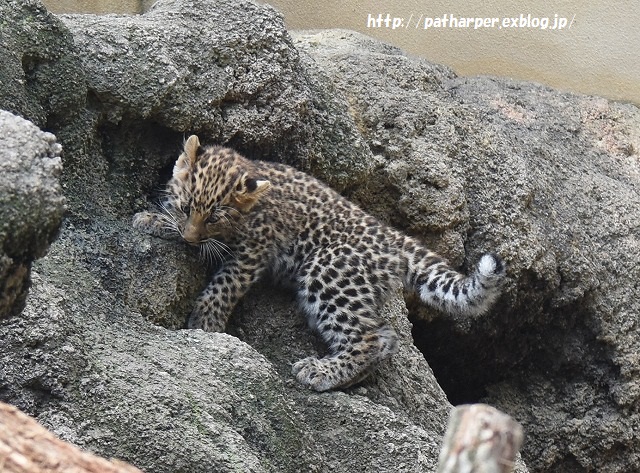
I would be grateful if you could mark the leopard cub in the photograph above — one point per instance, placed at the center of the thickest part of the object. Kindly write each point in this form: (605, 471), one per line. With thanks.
(257, 216)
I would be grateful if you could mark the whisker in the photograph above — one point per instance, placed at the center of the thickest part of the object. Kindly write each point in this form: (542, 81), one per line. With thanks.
(221, 248)
(205, 253)
(170, 217)
(215, 254)
(228, 217)
(213, 251)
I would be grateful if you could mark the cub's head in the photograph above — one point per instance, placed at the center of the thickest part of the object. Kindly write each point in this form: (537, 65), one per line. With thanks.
(212, 188)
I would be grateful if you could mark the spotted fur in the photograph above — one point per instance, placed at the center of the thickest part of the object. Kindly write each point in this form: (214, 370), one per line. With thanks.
(255, 217)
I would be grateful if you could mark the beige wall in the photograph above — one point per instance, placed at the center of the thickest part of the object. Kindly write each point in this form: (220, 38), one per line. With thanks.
(599, 54)
(98, 6)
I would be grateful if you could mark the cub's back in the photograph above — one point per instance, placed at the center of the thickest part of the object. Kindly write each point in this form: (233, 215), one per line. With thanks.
(303, 195)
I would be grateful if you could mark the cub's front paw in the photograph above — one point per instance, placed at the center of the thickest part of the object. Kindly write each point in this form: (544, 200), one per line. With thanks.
(156, 224)
(143, 220)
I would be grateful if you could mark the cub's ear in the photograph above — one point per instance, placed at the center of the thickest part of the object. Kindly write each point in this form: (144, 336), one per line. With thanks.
(187, 159)
(248, 191)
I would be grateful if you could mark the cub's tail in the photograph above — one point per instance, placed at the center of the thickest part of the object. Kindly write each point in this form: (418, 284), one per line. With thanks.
(442, 287)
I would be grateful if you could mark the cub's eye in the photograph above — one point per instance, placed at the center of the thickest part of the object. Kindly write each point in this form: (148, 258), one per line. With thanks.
(213, 218)
(186, 209)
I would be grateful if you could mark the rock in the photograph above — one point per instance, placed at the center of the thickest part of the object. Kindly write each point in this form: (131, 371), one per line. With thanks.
(27, 447)
(549, 180)
(41, 79)
(85, 357)
(415, 184)
(100, 376)
(227, 71)
(480, 438)
(31, 207)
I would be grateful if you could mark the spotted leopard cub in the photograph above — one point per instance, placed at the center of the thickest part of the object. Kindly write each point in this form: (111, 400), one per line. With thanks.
(256, 217)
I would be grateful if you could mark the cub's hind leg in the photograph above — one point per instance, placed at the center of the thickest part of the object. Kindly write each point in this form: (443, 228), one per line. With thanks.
(351, 358)
(343, 313)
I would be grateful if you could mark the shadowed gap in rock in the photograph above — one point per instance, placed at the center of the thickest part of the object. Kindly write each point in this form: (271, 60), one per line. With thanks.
(562, 345)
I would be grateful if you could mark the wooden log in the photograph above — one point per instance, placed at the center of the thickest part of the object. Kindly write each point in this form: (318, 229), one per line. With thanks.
(480, 439)
(27, 447)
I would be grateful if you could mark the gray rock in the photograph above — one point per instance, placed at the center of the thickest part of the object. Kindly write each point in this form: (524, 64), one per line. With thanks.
(40, 78)
(227, 71)
(547, 179)
(86, 357)
(99, 375)
(551, 181)
(31, 204)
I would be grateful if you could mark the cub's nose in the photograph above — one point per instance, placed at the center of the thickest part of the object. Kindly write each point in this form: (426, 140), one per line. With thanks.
(192, 234)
